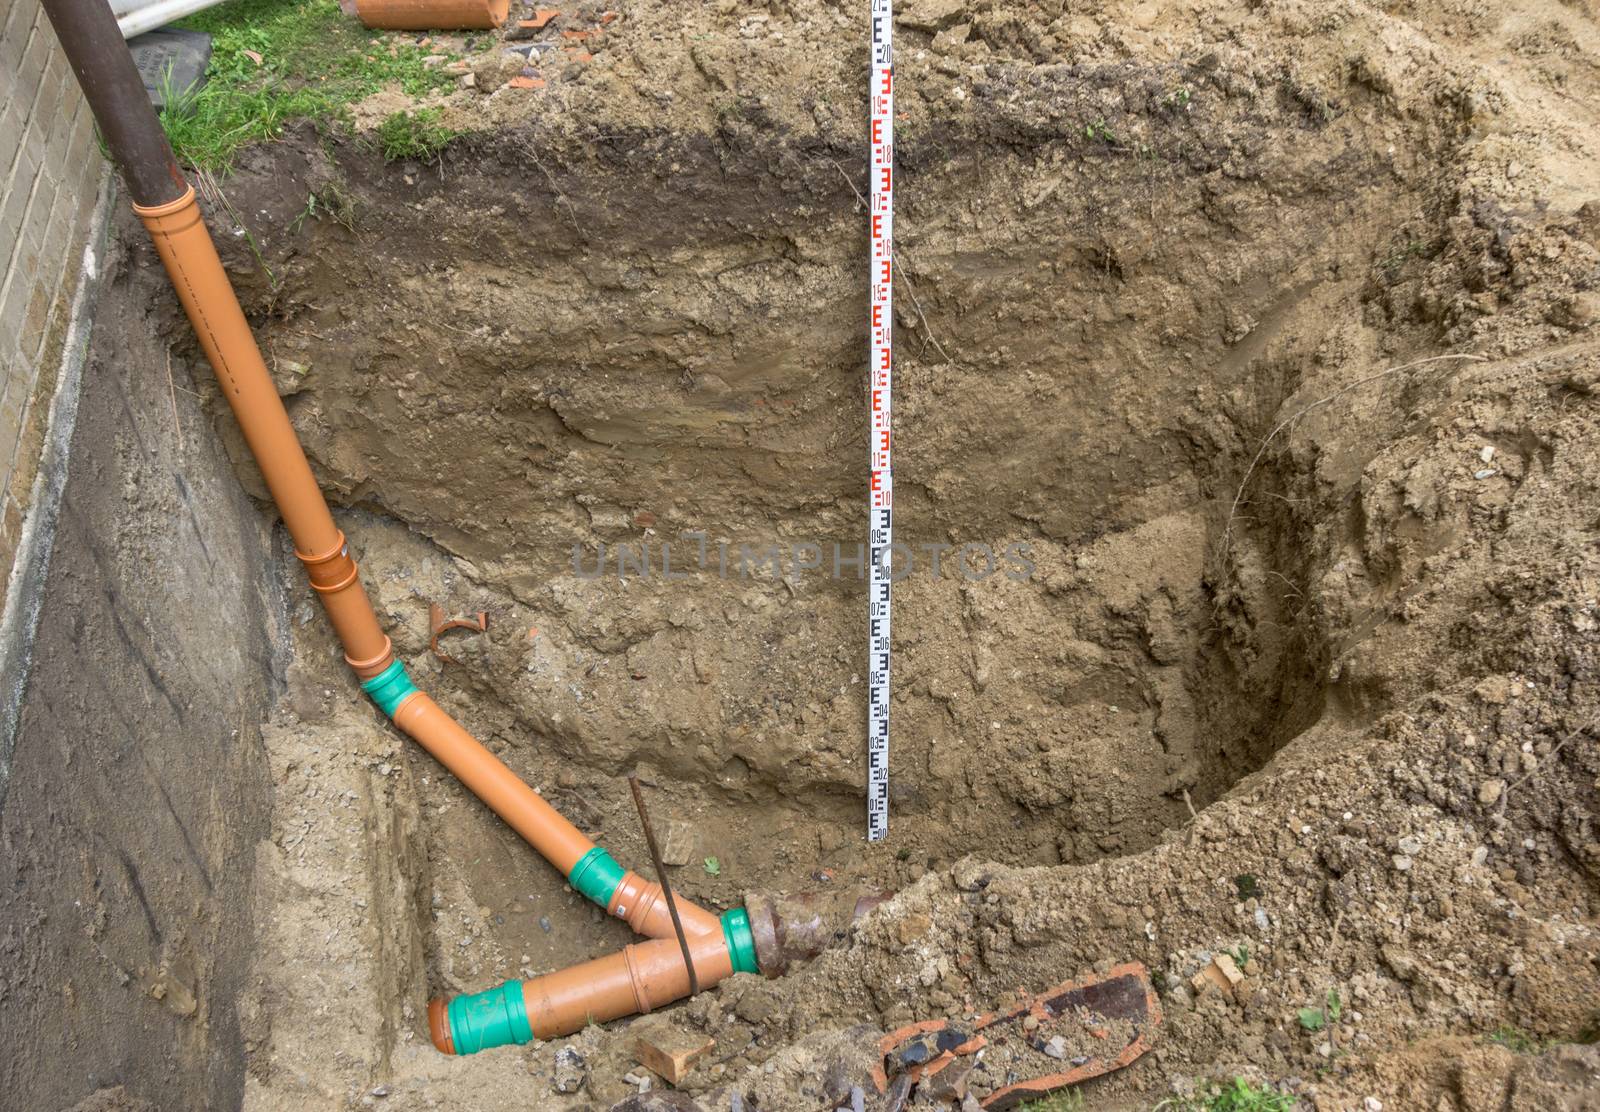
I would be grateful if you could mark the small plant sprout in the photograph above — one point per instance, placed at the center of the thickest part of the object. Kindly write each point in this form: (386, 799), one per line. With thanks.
(1516, 1040)
(1099, 132)
(713, 867)
(1315, 1019)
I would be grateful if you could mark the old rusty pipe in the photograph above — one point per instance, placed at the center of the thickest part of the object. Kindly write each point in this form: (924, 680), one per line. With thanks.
(792, 927)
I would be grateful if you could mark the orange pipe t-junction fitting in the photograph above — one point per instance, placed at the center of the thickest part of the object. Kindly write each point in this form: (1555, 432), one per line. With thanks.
(630, 982)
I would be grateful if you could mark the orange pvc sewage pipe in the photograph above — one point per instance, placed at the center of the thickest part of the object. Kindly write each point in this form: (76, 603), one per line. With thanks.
(165, 202)
(633, 981)
(640, 977)
(432, 15)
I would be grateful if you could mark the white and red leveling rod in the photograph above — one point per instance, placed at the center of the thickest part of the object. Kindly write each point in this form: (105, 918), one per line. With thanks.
(881, 527)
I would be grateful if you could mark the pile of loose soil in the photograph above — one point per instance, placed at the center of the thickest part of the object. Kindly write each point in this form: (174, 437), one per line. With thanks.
(1264, 330)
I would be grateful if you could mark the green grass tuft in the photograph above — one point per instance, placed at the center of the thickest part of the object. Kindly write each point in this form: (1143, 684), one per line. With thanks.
(1237, 1095)
(315, 63)
(1067, 1100)
(414, 133)
(1517, 1040)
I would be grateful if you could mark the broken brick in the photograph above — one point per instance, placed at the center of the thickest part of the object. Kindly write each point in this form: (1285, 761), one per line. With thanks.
(670, 1051)
(1228, 968)
(527, 83)
(1208, 979)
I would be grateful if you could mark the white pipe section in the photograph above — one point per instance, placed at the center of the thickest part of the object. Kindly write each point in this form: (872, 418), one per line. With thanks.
(135, 17)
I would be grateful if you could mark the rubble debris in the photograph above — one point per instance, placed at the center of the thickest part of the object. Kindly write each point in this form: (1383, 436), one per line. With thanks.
(1094, 1025)
(659, 1100)
(679, 845)
(570, 1071)
(1229, 969)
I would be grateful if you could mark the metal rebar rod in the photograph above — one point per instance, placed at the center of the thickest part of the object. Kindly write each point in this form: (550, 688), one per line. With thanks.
(666, 888)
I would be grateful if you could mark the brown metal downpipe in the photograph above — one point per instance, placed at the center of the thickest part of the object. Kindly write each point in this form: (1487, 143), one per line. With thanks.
(89, 34)
(166, 203)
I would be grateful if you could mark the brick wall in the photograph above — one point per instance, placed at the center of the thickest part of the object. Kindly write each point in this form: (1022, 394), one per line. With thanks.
(50, 171)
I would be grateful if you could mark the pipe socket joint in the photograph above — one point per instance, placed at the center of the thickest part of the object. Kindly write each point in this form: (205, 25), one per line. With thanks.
(336, 579)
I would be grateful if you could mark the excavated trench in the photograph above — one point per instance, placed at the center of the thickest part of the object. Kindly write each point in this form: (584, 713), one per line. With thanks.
(534, 373)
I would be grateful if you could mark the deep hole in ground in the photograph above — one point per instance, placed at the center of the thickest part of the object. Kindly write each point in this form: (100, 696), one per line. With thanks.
(506, 357)
(1331, 250)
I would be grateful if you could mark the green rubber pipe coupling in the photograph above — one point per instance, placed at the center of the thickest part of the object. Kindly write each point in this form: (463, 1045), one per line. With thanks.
(741, 942)
(596, 875)
(390, 687)
(488, 1019)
